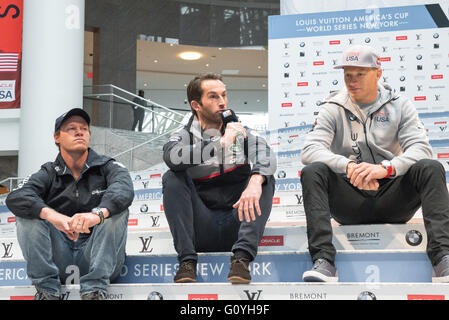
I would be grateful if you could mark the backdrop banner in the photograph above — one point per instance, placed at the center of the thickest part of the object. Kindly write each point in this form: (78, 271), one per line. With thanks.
(11, 19)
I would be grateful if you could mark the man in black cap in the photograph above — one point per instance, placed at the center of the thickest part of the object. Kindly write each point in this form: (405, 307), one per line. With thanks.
(72, 215)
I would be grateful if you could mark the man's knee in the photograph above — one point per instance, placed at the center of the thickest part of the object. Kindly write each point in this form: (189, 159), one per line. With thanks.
(31, 228)
(429, 165)
(313, 169)
(171, 180)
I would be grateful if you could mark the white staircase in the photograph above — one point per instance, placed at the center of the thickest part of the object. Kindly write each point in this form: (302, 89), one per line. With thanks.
(385, 261)
(373, 261)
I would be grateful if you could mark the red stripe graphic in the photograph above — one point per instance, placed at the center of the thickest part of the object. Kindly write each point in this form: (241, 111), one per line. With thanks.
(218, 173)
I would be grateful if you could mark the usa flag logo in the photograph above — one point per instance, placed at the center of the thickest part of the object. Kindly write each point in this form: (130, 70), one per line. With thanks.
(9, 62)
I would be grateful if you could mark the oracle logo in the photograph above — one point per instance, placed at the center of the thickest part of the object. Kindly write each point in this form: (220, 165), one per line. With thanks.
(318, 63)
(401, 38)
(133, 222)
(334, 42)
(271, 241)
(383, 59)
(437, 76)
(287, 105)
(420, 98)
(302, 84)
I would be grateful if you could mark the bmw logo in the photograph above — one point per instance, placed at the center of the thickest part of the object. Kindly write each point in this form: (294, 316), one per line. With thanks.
(302, 44)
(436, 35)
(413, 238)
(366, 295)
(367, 40)
(154, 295)
(282, 174)
(419, 57)
(144, 208)
(402, 78)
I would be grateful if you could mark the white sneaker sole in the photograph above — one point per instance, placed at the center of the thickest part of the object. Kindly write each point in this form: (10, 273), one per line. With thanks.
(440, 279)
(314, 276)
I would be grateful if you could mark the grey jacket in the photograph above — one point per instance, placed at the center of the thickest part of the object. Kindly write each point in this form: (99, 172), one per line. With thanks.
(391, 131)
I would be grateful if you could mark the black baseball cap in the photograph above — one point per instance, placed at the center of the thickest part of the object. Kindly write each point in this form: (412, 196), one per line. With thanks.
(74, 112)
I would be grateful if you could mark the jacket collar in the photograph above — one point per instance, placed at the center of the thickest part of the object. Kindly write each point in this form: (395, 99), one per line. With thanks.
(343, 99)
(93, 159)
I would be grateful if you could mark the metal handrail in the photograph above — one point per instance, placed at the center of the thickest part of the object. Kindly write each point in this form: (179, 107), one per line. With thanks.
(134, 95)
(164, 121)
(140, 106)
(144, 143)
(8, 182)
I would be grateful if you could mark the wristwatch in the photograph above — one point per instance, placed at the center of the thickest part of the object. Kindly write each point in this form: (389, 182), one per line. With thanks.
(386, 164)
(99, 213)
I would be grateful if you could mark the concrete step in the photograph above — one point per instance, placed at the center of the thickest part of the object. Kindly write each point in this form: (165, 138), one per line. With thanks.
(150, 235)
(259, 291)
(410, 236)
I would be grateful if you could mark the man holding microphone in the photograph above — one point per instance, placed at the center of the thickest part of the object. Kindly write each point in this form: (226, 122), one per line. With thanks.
(219, 189)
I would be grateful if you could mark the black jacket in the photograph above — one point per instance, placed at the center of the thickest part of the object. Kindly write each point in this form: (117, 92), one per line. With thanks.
(218, 175)
(103, 183)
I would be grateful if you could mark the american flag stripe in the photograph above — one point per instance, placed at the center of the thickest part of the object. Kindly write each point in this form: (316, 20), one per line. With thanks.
(9, 62)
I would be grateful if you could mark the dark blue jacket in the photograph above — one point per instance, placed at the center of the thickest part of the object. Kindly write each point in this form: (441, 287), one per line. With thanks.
(103, 183)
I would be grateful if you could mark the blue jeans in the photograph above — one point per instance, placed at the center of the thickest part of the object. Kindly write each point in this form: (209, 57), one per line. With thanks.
(52, 258)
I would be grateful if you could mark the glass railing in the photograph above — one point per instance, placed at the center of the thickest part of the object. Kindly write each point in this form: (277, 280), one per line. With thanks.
(110, 108)
(116, 108)
(8, 184)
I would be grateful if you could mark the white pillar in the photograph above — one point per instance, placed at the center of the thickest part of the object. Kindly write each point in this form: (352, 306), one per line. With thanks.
(52, 75)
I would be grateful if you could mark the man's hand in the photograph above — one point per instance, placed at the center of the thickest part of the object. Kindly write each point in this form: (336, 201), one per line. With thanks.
(81, 222)
(72, 226)
(231, 132)
(59, 221)
(250, 199)
(365, 175)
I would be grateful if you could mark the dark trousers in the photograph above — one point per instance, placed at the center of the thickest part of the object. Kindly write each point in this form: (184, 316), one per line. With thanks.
(139, 114)
(196, 228)
(327, 194)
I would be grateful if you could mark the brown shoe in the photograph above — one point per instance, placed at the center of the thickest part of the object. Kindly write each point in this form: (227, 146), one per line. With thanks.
(239, 271)
(186, 272)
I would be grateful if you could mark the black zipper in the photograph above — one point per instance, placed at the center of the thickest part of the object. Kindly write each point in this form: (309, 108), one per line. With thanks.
(366, 139)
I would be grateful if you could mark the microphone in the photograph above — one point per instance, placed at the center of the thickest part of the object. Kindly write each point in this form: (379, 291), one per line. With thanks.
(228, 116)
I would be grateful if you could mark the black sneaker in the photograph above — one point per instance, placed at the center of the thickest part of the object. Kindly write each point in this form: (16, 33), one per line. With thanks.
(186, 272)
(441, 271)
(322, 271)
(42, 295)
(239, 271)
(94, 295)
